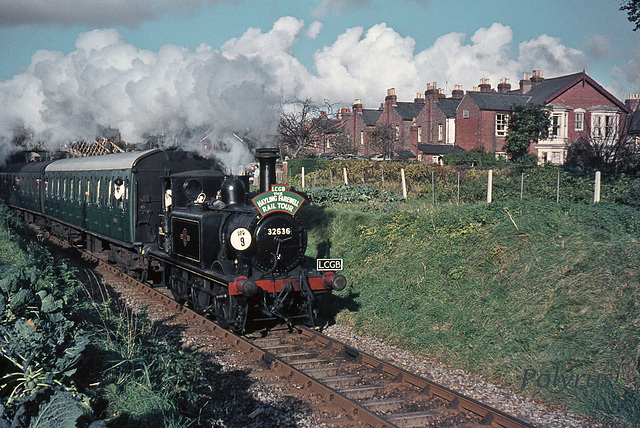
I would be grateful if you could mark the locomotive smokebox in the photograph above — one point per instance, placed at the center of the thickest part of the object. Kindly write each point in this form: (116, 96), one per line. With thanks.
(267, 157)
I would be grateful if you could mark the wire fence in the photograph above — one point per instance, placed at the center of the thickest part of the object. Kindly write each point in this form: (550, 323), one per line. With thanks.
(448, 184)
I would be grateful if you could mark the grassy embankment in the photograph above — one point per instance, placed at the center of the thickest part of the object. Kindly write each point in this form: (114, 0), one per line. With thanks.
(539, 291)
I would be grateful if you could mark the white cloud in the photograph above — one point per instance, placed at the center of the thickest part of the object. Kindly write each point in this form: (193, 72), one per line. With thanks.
(240, 88)
(626, 80)
(314, 29)
(548, 54)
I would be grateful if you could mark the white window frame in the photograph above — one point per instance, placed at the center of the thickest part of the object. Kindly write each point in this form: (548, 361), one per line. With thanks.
(579, 121)
(502, 123)
(605, 125)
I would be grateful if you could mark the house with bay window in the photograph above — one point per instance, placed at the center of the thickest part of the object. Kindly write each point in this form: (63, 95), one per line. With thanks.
(579, 109)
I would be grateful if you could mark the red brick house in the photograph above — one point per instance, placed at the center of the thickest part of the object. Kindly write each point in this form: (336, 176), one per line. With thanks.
(358, 124)
(579, 107)
(407, 119)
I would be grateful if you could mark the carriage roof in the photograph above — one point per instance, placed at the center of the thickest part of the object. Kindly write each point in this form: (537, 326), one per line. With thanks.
(114, 161)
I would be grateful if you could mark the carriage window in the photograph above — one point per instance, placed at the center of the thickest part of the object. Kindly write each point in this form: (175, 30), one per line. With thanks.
(119, 192)
(110, 193)
(79, 190)
(87, 192)
(98, 191)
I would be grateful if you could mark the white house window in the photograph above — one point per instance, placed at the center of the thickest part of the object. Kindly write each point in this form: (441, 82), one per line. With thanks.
(556, 125)
(579, 121)
(559, 121)
(604, 125)
(502, 121)
(362, 138)
(597, 126)
(608, 126)
(419, 134)
(440, 131)
(465, 114)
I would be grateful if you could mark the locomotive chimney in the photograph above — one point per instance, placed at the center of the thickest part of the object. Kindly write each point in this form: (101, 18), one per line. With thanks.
(267, 157)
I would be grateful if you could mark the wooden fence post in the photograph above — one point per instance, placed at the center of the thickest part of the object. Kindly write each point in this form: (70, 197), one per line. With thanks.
(596, 190)
(404, 184)
(489, 185)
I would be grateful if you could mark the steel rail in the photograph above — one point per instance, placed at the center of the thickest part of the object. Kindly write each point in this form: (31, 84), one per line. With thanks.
(489, 415)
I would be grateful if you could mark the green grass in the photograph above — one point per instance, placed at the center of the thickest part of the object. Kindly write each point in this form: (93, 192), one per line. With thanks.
(498, 289)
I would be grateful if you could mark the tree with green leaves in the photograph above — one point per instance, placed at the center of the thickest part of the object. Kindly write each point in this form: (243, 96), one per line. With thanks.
(382, 139)
(528, 123)
(632, 7)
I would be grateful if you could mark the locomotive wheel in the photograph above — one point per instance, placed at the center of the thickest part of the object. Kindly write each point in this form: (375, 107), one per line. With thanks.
(201, 295)
(178, 285)
(221, 311)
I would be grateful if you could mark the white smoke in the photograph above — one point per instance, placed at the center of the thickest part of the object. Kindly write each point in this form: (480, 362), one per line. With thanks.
(175, 92)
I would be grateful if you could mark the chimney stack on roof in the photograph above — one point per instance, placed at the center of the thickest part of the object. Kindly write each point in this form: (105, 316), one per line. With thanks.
(484, 85)
(391, 97)
(504, 86)
(525, 83)
(537, 78)
(419, 99)
(357, 105)
(344, 113)
(457, 92)
(633, 102)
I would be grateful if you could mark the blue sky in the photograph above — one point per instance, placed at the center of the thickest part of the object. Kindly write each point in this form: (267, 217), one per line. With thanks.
(61, 59)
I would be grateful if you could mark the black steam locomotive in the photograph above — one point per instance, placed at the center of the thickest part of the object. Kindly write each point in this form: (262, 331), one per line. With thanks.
(178, 219)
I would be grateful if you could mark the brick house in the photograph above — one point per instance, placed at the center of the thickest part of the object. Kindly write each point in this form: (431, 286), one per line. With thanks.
(358, 124)
(579, 108)
(407, 119)
(440, 115)
(478, 119)
(633, 127)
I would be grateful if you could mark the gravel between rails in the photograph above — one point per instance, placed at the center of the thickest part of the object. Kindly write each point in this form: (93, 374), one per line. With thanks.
(460, 381)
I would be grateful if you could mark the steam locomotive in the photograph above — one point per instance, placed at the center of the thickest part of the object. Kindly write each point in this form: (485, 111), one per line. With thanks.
(176, 219)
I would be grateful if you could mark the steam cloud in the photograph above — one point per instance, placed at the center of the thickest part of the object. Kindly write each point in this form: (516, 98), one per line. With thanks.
(240, 88)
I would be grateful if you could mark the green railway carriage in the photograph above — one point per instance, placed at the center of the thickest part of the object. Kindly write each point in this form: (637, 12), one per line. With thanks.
(117, 196)
(29, 187)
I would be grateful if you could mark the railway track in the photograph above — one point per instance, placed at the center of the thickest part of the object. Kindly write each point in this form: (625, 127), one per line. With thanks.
(348, 387)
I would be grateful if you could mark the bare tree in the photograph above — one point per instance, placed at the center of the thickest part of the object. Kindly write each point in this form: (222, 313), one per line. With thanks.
(304, 125)
(382, 139)
(341, 143)
(606, 146)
